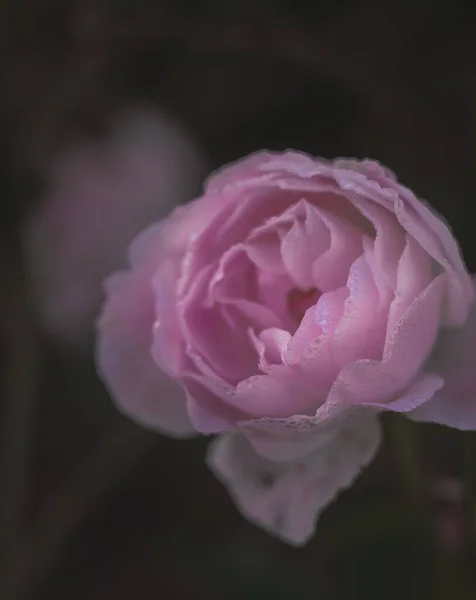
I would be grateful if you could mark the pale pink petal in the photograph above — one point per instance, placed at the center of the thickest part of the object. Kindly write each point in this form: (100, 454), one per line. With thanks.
(273, 292)
(207, 332)
(236, 172)
(270, 345)
(156, 254)
(442, 235)
(417, 218)
(307, 333)
(459, 291)
(237, 218)
(305, 241)
(168, 345)
(281, 445)
(297, 163)
(331, 268)
(389, 240)
(234, 276)
(310, 346)
(454, 358)
(265, 252)
(329, 309)
(360, 332)
(420, 391)
(208, 413)
(283, 392)
(125, 363)
(234, 283)
(413, 276)
(286, 498)
(298, 387)
(371, 382)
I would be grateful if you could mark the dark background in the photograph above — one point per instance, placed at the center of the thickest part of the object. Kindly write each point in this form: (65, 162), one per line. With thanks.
(114, 512)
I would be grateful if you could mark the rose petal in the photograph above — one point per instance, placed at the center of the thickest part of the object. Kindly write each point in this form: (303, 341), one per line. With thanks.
(360, 332)
(302, 245)
(414, 274)
(418, 219)
(125, 363)
(208, 413)
(270, 345)
(454, 358)
(421, 390)
(389, 240)
(370, 382)
(168, 346)
(241, 212)
(308, 332)
(331, 268)
(286, 498)
(236, 171)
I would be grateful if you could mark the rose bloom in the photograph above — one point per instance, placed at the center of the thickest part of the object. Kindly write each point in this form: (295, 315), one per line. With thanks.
(98, 197)
(285, 309)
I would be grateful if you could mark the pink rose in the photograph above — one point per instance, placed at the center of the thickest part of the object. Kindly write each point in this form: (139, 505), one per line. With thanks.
(292, 302)
(98, 197)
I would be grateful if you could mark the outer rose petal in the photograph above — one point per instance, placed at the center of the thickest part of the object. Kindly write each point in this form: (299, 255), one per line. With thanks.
(286, 498)
(454, 358)
(125, 363)
(369, 179)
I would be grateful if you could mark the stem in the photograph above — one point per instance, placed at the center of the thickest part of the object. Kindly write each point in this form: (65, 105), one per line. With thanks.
(407, 453)
(447, 580)
(116, 455)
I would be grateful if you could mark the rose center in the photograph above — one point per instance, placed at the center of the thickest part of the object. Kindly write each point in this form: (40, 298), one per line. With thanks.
(299, 301)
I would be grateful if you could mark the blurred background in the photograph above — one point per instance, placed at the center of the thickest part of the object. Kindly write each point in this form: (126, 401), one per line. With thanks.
(111, 113)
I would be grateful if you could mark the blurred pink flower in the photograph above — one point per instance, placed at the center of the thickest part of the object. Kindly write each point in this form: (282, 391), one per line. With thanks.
(98, 197)
(292, 302)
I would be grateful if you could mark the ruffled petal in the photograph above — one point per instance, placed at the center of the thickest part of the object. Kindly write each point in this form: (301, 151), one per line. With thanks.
(370, 180)
(371, 382)
(139, 387)
(305, 241)
(360, 332)
(331, 268)
(454, 359)
(414, 274)
(286, 497)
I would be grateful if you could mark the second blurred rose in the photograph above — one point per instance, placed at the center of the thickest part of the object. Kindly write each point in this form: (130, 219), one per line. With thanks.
(98, 196)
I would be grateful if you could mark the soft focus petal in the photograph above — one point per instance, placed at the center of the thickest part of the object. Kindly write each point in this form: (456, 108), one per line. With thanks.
(98, 196)
(286, 498)
(454, 359)
(125, 363)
